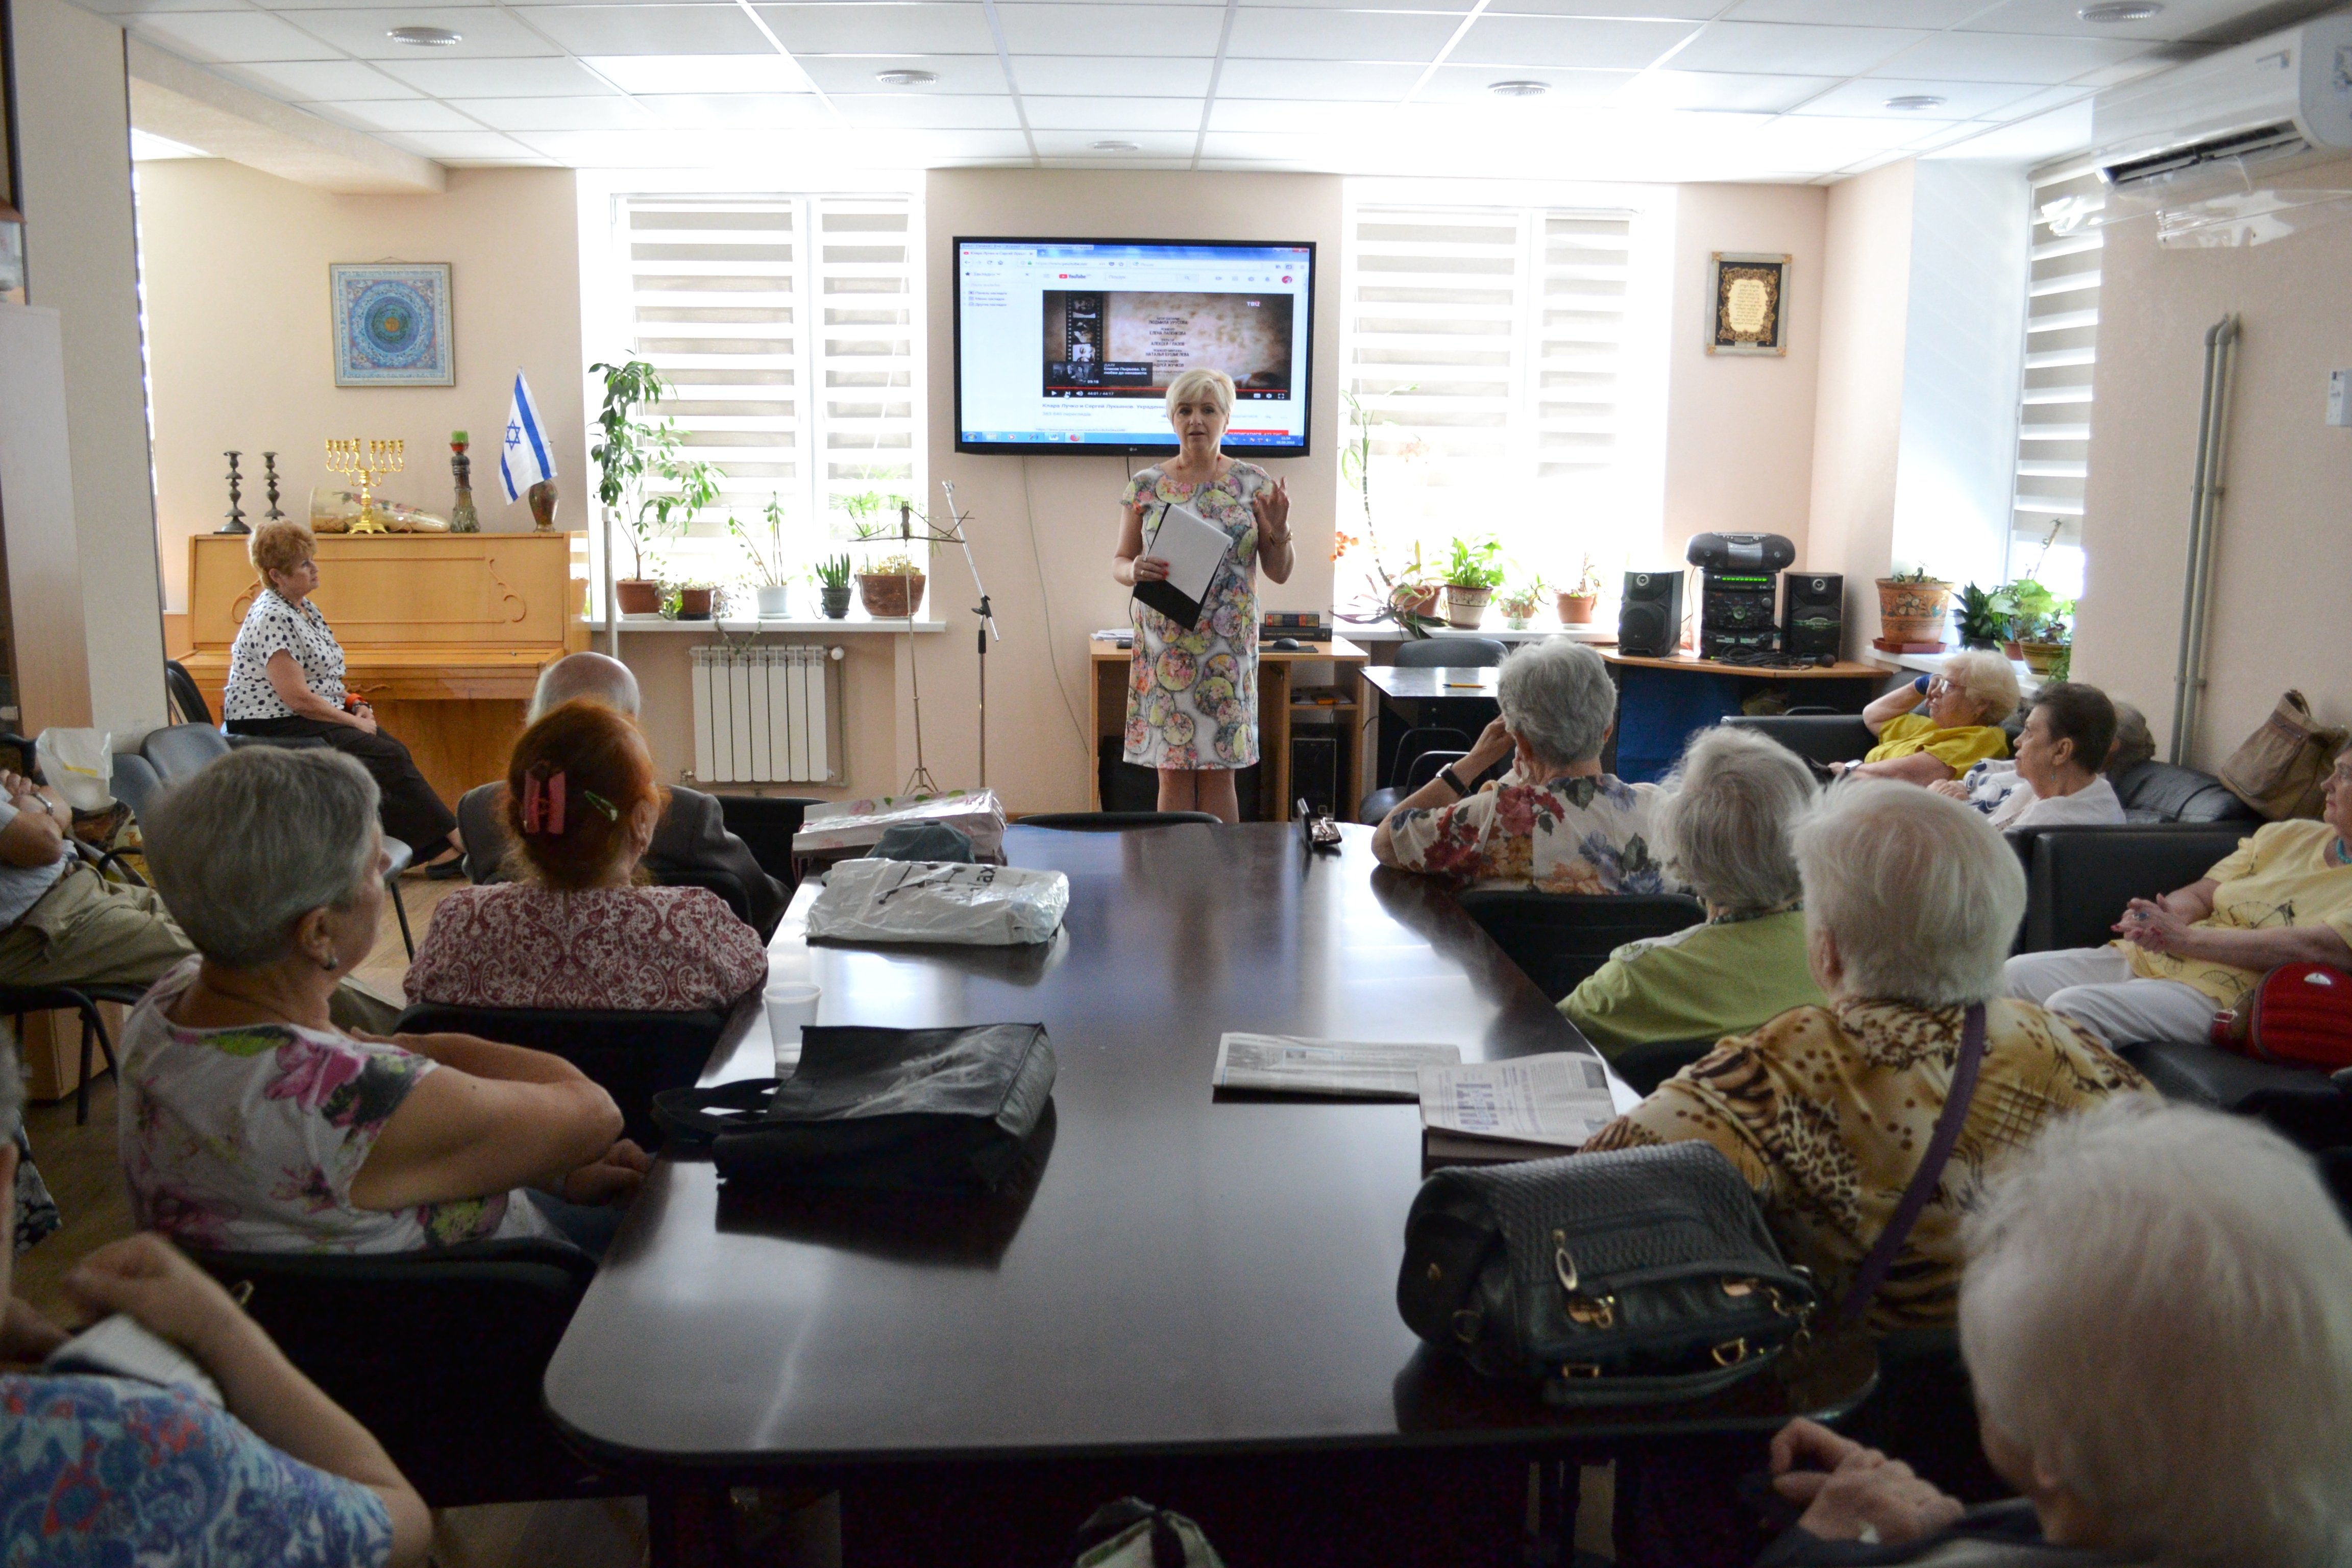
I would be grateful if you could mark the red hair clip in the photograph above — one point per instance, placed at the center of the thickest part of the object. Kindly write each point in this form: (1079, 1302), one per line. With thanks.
(543, 802)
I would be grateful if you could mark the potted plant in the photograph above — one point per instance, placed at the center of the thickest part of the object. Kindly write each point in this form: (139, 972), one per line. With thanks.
(1472, 574)
(833, 586)
(1521, 602)
(773, 589)
(1911, 608)
(2049, 640)
(891, 588)
(628, 450)
(694, 601)
(1576, 604)
(1984, 617)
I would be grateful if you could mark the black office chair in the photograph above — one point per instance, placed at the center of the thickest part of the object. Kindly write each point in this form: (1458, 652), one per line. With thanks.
(1450, 653)
(189, 703)
(1441, 740)
(1558, 939)
(632, 1056)
(16, 1001)
(766, 824)
(1118, 821)
(439, 1353)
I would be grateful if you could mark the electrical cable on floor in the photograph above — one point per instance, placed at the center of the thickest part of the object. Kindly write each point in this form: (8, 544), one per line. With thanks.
(1052, 639)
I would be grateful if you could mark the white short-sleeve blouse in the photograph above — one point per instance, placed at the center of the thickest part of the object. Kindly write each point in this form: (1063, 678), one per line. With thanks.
(271, 624)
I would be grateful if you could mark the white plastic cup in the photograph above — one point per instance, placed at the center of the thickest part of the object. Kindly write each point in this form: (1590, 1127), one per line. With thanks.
(791, 1006)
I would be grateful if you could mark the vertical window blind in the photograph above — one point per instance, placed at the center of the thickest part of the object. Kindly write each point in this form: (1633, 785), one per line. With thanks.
(2062, 338)
(1485, 345)
(787, 327)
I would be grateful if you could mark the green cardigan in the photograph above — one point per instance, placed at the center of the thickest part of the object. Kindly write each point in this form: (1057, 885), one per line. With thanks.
(1725, 977)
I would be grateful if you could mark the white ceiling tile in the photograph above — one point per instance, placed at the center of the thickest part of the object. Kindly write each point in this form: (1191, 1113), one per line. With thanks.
(123, 10)
(239, 35)
(2177, 19)
(1455, 6)
(1148, 143)
(1616, 10)
(1314, 80)
(611, 112)
(1082, 76)
(2042, 101)
(1570, 41)
(295, 10)
(1934, 14)
(397, 114)
(497, 78)
(306, 80)
(954, 111)
(1269, 114)
(2049, 135)
(744, 111)
(855, 73)
(699, 73)
(649, 149)
(1795, 49)
(1722, 91)
(1113, 161)
(959, 28)
(481, 33)
(460, 144)
(1035, 29)
(650, 29)
(1468, 84)
(2012, 57)
(1284, 34)
(1866, 96)
(928, 144)
(1111, 114)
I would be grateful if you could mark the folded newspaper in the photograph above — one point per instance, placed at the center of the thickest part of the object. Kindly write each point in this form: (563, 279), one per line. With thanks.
(1358, 1070)
(1529, 1108)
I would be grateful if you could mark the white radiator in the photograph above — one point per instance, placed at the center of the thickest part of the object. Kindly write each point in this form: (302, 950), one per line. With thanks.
(764, 715)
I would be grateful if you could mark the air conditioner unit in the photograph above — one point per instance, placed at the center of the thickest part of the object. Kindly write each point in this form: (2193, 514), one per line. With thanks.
(2230, 119)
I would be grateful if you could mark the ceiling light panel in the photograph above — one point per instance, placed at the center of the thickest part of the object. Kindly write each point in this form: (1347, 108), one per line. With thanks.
(496, 78)
(2036, 59)
(1112, 116)
(397, 114)
(1295, 79)
(948, 111)
(1569, 41)
(1793, 49)
(1931, 14)
(736, 111)
(863, 29)
(699, 73)
(1035, 29)
(1287, 33)
(1865, 97)
(651, 29)
(482, 34)
(954, 73)
(1719, 90)
(1290, 117)
(232, 36)
(1082, 76)
(611, 112)
(306, 81)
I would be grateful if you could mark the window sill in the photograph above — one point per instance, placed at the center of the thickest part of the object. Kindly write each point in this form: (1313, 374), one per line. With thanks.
(750, 625)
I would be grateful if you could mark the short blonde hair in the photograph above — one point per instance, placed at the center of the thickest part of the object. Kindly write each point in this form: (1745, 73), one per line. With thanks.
(282, 545)
(1987, 677)
(1192, 384)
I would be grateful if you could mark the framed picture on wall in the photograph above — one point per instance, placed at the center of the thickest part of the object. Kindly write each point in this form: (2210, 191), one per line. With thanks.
(1747, 305)
(392, 324)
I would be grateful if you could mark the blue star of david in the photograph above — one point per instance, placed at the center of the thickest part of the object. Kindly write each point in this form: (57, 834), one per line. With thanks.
(514, 434)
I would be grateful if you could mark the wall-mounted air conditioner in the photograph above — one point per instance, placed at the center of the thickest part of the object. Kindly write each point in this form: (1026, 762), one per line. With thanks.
(2231, 121)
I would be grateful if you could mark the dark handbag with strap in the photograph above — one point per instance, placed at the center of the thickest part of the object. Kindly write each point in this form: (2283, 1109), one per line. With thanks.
(1635, 1276)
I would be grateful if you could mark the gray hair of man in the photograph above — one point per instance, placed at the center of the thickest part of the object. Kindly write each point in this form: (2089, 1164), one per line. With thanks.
(2157, 1311)
(1921, 894)
(1556, 695)
(253, 841)
(575, 675)
(1731, 810)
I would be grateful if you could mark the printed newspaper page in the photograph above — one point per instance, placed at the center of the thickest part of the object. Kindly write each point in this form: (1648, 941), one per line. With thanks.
(1362, 1069)
(1559, 1099)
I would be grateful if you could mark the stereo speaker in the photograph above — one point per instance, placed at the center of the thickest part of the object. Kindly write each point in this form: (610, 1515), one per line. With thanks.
(1812, 614)
(1650, 619)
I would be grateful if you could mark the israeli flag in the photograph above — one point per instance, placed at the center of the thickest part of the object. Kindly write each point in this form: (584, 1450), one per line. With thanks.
(524, 457)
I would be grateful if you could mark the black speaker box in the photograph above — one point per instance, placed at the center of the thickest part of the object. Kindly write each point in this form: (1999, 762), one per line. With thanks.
(1650, 619)
(1812, 614)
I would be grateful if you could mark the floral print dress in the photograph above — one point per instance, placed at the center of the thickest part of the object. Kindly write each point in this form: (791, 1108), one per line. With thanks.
(1584, 835)
(1191, 696)
(247, 1138)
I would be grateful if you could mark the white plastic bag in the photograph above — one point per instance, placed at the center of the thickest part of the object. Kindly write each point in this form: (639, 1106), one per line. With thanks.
(79, 764)
(860, 824)
(939, 901)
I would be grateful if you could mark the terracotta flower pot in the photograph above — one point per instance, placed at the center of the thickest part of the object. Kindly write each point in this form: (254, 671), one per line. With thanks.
(694, 603)
(1912, 611)
(892, 597)
(638, 595)
(2011, 649)
(1576, 609)
(1417, 601)
(1466, 608)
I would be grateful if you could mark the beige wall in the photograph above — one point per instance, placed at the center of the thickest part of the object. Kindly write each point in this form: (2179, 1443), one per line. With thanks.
(239, 336)
(2282, 572)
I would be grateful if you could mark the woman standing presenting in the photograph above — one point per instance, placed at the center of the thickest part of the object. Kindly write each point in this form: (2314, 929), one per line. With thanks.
(1192, 694)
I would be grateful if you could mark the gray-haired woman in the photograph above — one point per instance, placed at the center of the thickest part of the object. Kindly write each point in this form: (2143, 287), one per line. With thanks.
(249, 1122)
(1556, 821)
(1725, 827)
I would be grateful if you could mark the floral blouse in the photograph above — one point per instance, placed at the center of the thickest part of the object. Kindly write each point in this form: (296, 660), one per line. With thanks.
(1191, 695)
(642, 950)
(247, 1138)
(272, 625)
(1588, 835)
(106, 1471)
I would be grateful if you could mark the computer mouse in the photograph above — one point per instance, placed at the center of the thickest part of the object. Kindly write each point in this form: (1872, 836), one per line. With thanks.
(1286, 645)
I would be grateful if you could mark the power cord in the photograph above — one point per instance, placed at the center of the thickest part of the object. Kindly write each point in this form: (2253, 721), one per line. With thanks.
(1052, 639)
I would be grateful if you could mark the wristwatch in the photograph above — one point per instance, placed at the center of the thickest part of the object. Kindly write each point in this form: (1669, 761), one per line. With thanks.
(1453, 780)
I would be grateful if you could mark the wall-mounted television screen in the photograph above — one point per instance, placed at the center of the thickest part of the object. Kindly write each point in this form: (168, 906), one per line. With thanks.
(1068, 345)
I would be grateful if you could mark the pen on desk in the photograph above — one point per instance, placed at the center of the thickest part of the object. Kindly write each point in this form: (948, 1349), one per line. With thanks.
(1462, 685)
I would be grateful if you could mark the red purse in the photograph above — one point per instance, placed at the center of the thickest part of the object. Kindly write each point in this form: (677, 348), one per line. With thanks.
(2300, 1015)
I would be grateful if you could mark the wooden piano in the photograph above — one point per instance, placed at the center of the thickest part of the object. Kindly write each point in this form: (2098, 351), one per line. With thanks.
(443, 633)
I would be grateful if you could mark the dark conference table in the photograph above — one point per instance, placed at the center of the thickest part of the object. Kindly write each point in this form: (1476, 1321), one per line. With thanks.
(1191, 1273)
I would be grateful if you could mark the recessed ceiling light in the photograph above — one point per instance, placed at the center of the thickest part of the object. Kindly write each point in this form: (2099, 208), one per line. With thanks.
(425, 37)
(906, 78)
(1115, 146)
(2120, 11)
(1518, 89)
(1910, 101)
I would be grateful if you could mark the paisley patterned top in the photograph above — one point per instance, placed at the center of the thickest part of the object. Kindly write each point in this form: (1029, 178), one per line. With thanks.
(646, 949)
(1587, 835)
(1826, 1111)
(103, 1470)
(1191, 696)
(247, 1138)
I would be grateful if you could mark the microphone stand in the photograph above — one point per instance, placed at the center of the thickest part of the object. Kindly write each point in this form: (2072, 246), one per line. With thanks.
(921, 781)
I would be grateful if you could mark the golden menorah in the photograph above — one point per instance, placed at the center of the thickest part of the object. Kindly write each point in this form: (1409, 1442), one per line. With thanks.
(366, 461)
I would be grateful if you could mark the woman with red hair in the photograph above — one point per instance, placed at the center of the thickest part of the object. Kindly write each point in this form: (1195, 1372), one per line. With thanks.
(579, 927)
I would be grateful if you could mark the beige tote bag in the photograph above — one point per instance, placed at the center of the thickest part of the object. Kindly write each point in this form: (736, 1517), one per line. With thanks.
(2279, 769)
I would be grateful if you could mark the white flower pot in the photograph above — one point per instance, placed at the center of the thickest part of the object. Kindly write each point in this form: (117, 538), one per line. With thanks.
(775, 603)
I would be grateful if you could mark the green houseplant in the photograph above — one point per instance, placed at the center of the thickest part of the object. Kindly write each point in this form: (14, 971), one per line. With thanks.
(1520, 603)
(833, 586)
(626, 453)
(1576, 604)
(773, 590)
(1473, 572)
(1984, 617)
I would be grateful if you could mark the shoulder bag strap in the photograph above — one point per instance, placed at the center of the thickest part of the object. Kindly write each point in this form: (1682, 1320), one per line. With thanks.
(1873, 1272)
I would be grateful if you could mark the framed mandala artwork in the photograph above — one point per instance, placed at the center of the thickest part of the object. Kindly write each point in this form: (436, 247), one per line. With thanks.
(392, 324)
(1747, 304)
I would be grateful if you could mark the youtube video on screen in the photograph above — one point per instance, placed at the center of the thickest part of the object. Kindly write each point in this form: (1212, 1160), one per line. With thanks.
(1134, 343)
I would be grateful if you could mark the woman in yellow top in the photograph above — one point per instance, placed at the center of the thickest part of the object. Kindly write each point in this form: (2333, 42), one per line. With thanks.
(1961, 728)
(2283, 896)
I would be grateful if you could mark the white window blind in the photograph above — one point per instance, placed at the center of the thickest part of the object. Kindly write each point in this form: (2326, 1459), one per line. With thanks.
(786, 325)
(1487, 345)
(2062, 338)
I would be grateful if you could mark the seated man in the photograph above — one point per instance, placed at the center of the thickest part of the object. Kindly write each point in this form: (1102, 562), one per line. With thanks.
(1966, 705)
(1724, 827)
(2284, 896)
(1554, 823)
(2056, 779)
(692, 834)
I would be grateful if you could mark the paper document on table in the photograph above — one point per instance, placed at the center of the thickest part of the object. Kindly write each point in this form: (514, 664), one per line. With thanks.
(1559, 1099)
(1191, 546)
(1359, 1069)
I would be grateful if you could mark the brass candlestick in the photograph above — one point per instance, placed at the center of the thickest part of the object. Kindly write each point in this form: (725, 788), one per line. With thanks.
(366, 461)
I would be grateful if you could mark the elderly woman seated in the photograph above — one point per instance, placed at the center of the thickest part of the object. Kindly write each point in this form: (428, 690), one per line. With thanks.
(1725, 829)
(2283, 896)
(1965, 706)
(578, 930)
(249, 1122)
(1910, 903)
(1555, 822)
(2057, 779)
(2158, 1322)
